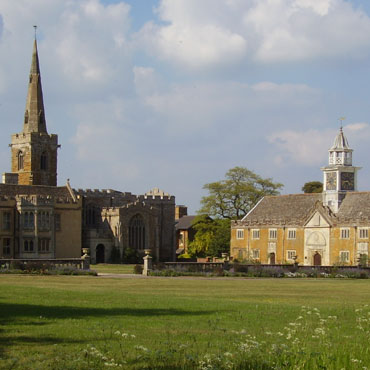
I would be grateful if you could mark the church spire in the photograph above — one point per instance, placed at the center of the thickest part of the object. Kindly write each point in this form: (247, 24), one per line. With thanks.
(34, 116)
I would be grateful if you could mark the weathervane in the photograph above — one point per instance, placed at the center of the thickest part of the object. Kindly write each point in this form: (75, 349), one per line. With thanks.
(341, 119)
(35, 27)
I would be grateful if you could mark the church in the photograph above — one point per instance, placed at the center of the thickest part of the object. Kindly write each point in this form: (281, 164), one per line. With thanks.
(40, 220)
(330, 228)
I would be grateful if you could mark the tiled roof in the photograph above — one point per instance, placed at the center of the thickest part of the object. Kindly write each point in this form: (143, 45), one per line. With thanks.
(10, 190)
(282, 209)
(355, 206)
(185, 223)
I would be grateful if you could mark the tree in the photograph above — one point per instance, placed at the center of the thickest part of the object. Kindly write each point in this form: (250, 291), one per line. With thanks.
(212, 237)
(237, 194)
(312, 187)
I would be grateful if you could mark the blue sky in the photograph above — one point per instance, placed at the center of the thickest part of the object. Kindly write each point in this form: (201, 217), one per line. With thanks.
(175, 97)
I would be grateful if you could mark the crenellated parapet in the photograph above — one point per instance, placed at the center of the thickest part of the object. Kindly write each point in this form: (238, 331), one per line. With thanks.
(100, 192)
(41, 201)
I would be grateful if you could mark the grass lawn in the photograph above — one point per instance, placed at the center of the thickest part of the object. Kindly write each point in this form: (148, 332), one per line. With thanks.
(78, 322)
(113, 268)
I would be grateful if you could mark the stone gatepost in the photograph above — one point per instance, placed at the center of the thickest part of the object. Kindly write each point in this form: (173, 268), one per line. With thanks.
(226, 260)
(147, 262)
(85, 259)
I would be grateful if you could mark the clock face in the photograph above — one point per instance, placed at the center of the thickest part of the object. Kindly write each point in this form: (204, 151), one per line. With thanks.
(347, 181)
(331, 181)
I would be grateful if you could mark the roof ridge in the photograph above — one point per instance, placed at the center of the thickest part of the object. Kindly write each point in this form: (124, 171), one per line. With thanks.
(290, 195)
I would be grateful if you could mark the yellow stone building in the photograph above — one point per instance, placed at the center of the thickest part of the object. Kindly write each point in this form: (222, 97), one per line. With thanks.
(310, 229)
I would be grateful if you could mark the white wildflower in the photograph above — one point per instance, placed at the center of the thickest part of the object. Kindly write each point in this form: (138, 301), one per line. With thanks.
(319, 331)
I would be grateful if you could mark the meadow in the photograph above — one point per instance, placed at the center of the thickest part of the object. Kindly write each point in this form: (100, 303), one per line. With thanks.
(86, 322)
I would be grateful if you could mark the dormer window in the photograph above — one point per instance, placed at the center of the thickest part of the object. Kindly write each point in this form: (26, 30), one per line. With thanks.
(26, 117)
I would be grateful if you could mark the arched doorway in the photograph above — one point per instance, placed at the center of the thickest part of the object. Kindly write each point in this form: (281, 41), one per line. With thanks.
(317, 259)
(100, 250)
(136, 233)
(272, 259)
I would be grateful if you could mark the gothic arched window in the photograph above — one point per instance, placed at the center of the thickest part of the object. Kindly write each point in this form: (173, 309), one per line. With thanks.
(44, 161)
(136, 232)
(20, 160)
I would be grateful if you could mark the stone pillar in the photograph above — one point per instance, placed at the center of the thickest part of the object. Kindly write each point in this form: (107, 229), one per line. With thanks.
(226, 260)
(147, 262)
(85, 259)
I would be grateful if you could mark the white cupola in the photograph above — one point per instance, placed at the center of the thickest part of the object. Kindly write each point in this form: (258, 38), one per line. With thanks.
(340, 176)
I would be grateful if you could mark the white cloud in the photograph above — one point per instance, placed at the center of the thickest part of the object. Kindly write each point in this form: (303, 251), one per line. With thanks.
(320, 7)
(218, 32)
(304, 147)
(359, 126)
(85, 41)
(310, 147)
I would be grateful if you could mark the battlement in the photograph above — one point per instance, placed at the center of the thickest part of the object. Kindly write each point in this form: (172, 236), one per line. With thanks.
(29, 137)
(156, 198)
(35, 200)
(41, 200)
(157, 195)
(101, 192)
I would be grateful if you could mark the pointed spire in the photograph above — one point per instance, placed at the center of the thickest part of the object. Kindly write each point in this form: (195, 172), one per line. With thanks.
(35, 67)
(34, 117)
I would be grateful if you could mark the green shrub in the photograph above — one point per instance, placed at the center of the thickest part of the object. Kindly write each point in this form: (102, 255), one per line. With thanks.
(138, 269)
(115, 255)
(130, 255)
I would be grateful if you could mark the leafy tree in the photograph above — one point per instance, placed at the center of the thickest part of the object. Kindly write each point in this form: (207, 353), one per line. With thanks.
(233, 197)
(212, 237)
(312, 187)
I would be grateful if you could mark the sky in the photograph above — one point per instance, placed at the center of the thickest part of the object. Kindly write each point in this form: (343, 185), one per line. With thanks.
(174, 93)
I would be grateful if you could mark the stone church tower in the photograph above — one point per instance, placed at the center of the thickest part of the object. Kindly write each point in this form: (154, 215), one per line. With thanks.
(34, 151)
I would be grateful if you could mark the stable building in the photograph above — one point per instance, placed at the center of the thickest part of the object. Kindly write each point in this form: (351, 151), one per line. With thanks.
(310, 229)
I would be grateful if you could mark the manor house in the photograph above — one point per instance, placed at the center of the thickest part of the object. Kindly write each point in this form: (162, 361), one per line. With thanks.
(39, 219)
(310, 229)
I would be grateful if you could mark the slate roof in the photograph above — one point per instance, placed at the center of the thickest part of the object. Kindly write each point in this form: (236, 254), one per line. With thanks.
(290, 209)
(11, 191)
(355, 206)
(185, 223)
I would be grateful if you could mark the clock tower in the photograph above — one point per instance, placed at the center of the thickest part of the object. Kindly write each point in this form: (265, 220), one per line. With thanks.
(339, 176)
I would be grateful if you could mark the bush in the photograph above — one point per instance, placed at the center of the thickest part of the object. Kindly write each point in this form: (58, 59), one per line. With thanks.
(130, 255)
(115, 255)
(33, 267)
(138, 269)
(17, 265)
(240, 268)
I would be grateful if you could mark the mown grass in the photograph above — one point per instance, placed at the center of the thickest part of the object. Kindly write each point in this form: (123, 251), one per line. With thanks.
(64, 322)
(113, 268)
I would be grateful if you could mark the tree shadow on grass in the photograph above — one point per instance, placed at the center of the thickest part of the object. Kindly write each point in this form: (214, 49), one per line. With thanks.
(29, 314)
(12, 311)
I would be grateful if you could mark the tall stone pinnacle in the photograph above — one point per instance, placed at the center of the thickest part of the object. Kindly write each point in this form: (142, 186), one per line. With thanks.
(34, 116)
